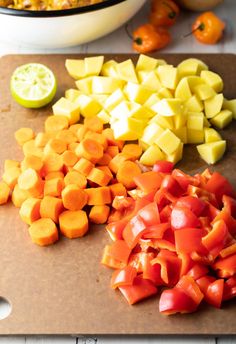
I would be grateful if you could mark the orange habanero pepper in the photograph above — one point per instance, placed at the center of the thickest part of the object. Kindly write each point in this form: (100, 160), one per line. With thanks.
(208, 28)
(163, 12)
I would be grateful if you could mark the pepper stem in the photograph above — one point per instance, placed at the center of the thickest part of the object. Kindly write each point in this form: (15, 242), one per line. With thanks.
(127, 31)
(200, 27)
(172, 14)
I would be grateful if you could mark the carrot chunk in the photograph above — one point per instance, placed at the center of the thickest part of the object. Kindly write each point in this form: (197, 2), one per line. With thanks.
(32, 161)
(4, 192)
(29, 211)
(53, 187)
(99, 214)
(99, 177)
(73, 197)
(30, 181)
(55, 146)
(83, 166)
(52, 162)
(43, 232)
(8, 163)
(56, 123)
(10, 176)
(93, 124)
(99, 196)
(73, 224)
(54, 174)
(126, 173)
(117, 189)
(19, 196)
(69, 158)
(117, 161)
(30, 148)
(112, 151)
(132, 149)
(90, 150)
(23, 135)
(51, 207)
(66, 136)
(76, 178)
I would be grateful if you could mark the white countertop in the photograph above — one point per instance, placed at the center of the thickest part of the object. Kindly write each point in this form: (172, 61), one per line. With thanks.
(119, 42)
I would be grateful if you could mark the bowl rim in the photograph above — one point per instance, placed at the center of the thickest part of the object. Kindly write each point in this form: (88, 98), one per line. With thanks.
(59, 13)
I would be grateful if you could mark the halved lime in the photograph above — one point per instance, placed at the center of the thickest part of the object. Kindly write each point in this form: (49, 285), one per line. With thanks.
(33, 85)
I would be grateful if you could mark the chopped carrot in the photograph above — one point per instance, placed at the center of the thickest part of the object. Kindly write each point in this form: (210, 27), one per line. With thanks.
(32, 161)
(29, 148)
(74, 127)
(97, 137)
(99, 177)
(69, 158)
(56, 123)
(43, 232)
(23, 135)
(83, 166)
(106, 170)
(112, 151)
(55, 174)
(126, 173)
(117, 189)
(41, 139)
(19, 196)
(11, 175)
(29, 210)
(10, 163)
(30, 181)
(94, 124)
(81, 133)
(55, 146)
(117, 161)
(73, 146)
(51, 207)
(66, 136)
(73, 224)
(4, 192)
(99, 196)
(52, 162)
(68, 169)
(132, 149)
(108, 133)
(73, 197)
(90, 150)
(53, 187)
(99, 214)
(76, 178)
(105, 160)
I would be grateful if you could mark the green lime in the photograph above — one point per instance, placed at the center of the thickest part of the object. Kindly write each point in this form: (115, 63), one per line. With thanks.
(33, 85)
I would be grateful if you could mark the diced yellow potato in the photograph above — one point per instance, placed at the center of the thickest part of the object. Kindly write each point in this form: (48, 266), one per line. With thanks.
(121, 110)
(180, 120)
(191, 66)
(230, 105)
(105, 84)
(143, 145)
(169, 107)
(177, 155)
(168, 76)
(193, 81)
(206, 123)
(213, 105)
(164, 93)
(152, 155)
(85, 85)
(182, 90)
(89, 107)
(93, 65)
(151, 133)
(114, 99)
(127, 71)
(152, 81)
(164, 122)
(109, 69)
(104, 116)
(212, 152)
(64, 107)
(195, 120)
(72, 94)
(142, 74)
(181, 133)
(211, 135)
(204, 91)
(223, 118)
(137, 93)
(168, 142)
(128, 129)
(194, 104)
(140, 112)
(152, 100)
(146, 63)
(75, 68)
(101, 98)
(213, 80)
(195, 136)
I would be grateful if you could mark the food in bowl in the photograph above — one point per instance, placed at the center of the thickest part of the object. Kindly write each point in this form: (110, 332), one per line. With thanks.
(42, 5)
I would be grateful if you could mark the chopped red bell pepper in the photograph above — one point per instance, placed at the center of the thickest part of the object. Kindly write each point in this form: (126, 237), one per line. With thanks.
(230, 288)
(148, 181)
(174, 301)
(219, 186)
(214, 293)
(156, 231)
(204, 282)
(191, 288)
(228, 219)
(133, 231)
(184, 179)
(183, 217)
(198, 271)
(123, 276)
(170, 184)
(229, 204)
(150, 214)
(196, 205)
(163, 166)
(116, 255)
(216, 238)
(226, 266)
(189, 240)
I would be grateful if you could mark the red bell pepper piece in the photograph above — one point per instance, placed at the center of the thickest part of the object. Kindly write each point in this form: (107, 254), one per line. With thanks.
(137, 260)
(214, 293)
(165, 214)
(139, 290)
(156, 231)
(198, 271)
(133, 231)
(170, 266)
(226, 266)
(150, 214)
(122, 202)
(219, 186)
(170, 184)
(184, 179)
(227, 251)
(152, 272)
(191, 288)
(186, 263)
(188, 240)
(176, 301)
(204, 282)
(230, 288)
(182, 217)
(115, 229)
(229, 204)
(123, 276)
(116, 255)
(228, 219)
(216, 238)
(212, 212)
(148, 181)
(163, 166)
(196, 205)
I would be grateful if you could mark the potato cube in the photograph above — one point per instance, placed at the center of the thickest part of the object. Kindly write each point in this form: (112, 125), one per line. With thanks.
(143, 145)
(85, 85)
(180, 120)
(169, 107)
(213, 105)
(195, 136)
(121, 110)
(193, 81)
(151, 133)
(164, 122)
(168, 142)
(195, 120)
(206, 123)
(140, 112)
(181, 133)
(128, 129)
(137, 93)
(105, 84)
(182, 90)
(152, 100)
(168, 76)
(230, 105)
(194, 104)
(146, 63)
(212, 79)
(64, 107)
(191, 66)
(223, 118)
(72, 94)
(75, 68)
(127, 71)
(89, 107)
(104, 116)
(93, 65)
(152, 155)
(152, 81)
(211, 135)
(100, 98)
(177, 155)
(204, 91)
(114, 99)
(109, 69)
(212, 152)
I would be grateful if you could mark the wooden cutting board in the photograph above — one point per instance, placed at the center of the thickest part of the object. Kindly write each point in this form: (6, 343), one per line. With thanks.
(63, 289)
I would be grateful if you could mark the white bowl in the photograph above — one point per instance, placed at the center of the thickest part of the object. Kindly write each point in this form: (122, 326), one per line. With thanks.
(64, 28)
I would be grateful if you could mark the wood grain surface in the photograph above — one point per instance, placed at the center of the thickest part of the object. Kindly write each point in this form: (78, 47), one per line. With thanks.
(63, 289)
